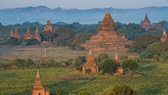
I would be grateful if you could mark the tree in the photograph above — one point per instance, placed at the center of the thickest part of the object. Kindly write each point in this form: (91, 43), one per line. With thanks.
(130, 65)
(142, 42)
(28, 63)
(108, 66)
(79, 61)
(101, 57)
(30, 42)
(64, 37)
(12, 41)
(79, 40)
(48, 36)
(120, 90)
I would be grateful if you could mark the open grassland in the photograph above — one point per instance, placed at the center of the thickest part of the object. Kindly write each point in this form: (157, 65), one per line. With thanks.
(150, 79)
(59, 53)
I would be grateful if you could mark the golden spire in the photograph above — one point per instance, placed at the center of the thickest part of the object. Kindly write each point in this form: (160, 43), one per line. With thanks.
(38, 83)
(116, 56)
(90, 56)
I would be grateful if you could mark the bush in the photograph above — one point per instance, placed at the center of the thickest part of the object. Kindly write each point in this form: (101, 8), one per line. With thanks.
(108, 66)
(101, 57)
(120, 90)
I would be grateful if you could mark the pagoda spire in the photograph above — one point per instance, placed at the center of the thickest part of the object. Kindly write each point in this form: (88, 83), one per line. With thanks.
(11, 34)
(38, 83)
(28, 31)
(48, 21)
(90, 55)
(116, 56)
(146, 18)
(107, 23)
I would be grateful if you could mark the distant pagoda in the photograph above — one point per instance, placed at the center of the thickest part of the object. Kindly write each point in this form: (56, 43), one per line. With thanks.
(164, 36)
(146, 24)
(107, 37)
(160, 26)
(37, 35)
(38, 88)
(28, 34)
(16, 34)
(48, 27)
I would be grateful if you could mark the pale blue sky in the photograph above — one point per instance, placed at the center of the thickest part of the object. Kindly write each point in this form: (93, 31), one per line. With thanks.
(83, 4)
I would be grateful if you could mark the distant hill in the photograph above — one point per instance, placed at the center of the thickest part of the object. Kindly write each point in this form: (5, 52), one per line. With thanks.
(89, 16)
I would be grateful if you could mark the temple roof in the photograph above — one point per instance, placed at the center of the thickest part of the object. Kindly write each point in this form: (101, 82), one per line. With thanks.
(38, 83)
(90, 56)
(107, 22)
(28, 31)
(146, 19)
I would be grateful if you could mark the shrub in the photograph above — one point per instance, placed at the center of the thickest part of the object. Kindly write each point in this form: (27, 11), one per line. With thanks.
(120, 90)
(108, 66)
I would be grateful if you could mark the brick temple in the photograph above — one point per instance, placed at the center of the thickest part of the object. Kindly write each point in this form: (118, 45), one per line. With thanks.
(28, 34)
(107, 37)
(16, 34)
(37, 35)
(48, 27)
(90, 66)
(38, 88)
(146, 23)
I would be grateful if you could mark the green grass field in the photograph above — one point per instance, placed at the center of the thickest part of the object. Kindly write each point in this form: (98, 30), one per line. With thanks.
(149, 79)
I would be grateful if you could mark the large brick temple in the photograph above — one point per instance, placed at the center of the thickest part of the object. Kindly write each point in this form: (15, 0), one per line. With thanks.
(107, 37)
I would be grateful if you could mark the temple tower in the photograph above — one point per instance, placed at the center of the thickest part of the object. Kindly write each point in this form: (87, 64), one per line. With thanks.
(120, 70)
(146, 24)
(17, 35)
(107, 37)
(38, 88)
(28, 34)
(48, 27)
(164, 36)
(11, 34)
(160, 26)
(37, 35)
(90, 66)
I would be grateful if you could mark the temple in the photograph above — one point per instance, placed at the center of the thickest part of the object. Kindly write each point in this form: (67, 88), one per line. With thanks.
(146, 24)
(48, 27)
(11, 34)
(28, 34)
(90, 66)
(164, 36)
(120, 70)
(37, 35)
(38, 88)
(160, 26)
(17, 35)
(107, 37)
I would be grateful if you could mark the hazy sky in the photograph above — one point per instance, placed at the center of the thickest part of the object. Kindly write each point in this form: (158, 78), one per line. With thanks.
(83, 4)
